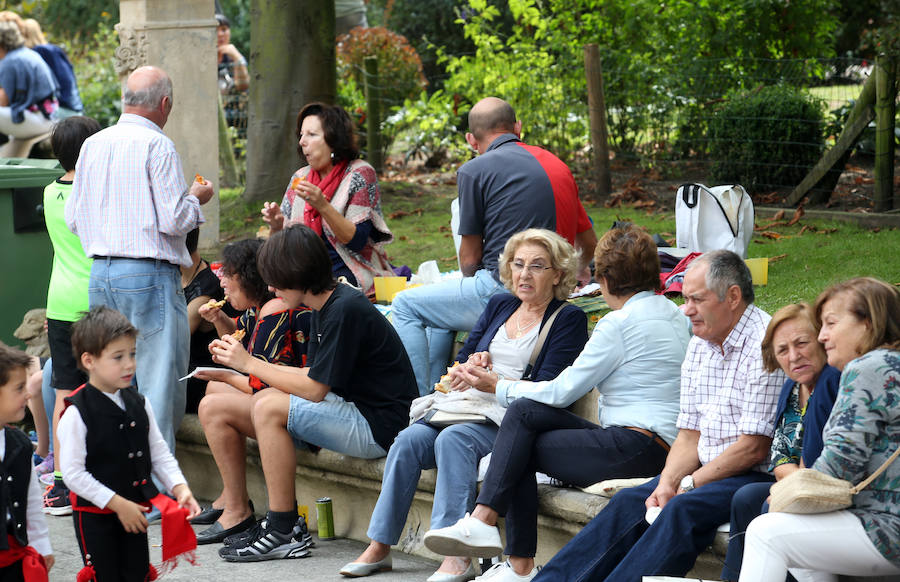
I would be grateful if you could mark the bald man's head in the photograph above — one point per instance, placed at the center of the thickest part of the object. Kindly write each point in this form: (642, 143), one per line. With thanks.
(145, 90)
(490, 116)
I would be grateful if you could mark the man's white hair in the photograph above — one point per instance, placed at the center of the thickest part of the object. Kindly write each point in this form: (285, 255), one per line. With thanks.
(149, 97)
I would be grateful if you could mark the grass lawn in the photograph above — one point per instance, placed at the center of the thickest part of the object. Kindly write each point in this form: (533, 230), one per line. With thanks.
(801, 263)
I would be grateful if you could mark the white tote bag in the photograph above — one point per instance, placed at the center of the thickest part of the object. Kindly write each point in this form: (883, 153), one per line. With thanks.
(707, 219)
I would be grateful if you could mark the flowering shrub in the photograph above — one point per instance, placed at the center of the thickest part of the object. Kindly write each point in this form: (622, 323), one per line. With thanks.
(399, 68)
(399, 75)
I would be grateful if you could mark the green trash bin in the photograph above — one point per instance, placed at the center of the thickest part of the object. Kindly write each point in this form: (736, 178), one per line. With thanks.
(27, 254)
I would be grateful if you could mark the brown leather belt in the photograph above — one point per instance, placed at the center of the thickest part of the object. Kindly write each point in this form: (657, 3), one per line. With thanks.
(656, 438)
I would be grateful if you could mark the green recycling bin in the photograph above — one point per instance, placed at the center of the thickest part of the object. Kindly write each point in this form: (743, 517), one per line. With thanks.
(27, 254)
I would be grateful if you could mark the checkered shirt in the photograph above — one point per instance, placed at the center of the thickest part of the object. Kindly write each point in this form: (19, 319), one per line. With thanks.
(129, 197)
(726, 393)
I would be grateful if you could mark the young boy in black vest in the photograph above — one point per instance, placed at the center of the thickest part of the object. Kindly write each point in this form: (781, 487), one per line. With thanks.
(109, 447)
(25, 552)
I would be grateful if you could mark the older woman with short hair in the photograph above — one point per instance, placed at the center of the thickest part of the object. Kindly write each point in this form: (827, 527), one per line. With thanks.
(336, 195)
(28, 89)
(860, 330)
(790, 344)
(538, 267)
(633, 359)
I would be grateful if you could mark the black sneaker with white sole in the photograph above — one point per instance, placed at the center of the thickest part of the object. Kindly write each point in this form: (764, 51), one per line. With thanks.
(267, 544)
(300, 533)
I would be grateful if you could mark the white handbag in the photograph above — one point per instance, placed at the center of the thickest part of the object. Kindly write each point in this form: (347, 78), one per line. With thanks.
(707, 219)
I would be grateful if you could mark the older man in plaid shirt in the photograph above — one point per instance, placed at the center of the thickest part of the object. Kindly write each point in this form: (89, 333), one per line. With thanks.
(132, 210)
(725, 430)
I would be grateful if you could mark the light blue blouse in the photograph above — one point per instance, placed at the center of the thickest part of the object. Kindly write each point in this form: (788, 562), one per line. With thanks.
(633, 358)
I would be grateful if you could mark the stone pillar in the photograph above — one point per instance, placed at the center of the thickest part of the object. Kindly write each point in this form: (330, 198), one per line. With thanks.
(180, 37)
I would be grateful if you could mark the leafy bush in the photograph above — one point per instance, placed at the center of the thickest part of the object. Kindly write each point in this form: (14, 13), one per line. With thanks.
(431, 24)
(399, 68)
(77, 20)
(543, 81)
(766, 139)
(399, 73)
(98, 82)
(431, 126)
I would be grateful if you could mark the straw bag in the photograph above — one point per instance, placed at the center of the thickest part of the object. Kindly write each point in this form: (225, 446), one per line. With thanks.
(810, 491)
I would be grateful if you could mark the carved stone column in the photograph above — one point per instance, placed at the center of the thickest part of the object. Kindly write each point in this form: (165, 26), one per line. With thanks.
(180, 37)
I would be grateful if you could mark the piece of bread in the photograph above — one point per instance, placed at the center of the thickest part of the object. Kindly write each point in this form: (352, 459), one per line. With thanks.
(295, 183)
(199, 178)
(444, 384)
(239, 334)
(213, 303)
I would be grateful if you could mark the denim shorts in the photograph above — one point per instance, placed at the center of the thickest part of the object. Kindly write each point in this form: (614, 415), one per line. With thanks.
(333, 424)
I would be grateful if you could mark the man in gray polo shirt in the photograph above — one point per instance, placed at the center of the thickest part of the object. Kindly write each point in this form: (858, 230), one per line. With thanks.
(508, 188)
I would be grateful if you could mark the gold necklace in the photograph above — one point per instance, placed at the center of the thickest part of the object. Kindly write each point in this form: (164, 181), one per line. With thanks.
(521, 329)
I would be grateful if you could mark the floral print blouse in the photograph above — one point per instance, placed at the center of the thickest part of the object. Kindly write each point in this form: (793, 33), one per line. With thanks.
(862, 432)
(788, 440)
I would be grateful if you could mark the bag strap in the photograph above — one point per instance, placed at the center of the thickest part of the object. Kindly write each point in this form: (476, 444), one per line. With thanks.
(542, 337)
(875, 475)
(690, 193)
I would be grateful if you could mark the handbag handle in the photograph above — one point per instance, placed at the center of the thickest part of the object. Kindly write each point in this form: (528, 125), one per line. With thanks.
(875, 475)
(542, 337)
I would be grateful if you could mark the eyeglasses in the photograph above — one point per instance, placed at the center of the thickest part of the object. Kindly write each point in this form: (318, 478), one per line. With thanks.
(534, 269)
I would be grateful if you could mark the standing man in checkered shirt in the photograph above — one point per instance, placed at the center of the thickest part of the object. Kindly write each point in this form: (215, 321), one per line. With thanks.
(725, 430)
(132, 210)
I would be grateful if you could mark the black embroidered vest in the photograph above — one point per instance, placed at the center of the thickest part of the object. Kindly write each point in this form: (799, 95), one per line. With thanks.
(15, 471)
(117, 442)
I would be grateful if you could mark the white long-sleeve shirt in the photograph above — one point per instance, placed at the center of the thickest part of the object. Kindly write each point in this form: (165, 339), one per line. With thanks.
(73, 450)
(36, 526)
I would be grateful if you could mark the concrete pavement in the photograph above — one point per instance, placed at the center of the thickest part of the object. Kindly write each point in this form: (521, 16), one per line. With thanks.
(324, 562)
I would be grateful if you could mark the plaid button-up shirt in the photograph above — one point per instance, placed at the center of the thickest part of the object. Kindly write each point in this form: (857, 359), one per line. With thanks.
(129, 197)
(726, 393)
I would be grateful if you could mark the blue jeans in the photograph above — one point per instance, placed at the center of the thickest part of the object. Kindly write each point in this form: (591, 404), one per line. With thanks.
(150, 295)
(618, 545)
(427, 317)
(747, 504)
(454, 451)
(333, 424)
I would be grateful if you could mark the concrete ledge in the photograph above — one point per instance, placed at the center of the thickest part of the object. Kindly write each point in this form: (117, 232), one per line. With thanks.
(354, 484)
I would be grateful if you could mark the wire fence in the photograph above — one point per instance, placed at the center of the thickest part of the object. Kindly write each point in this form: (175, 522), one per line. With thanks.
(667, 122)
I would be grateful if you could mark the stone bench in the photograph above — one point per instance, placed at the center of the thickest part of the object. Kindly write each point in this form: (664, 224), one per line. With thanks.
(354, 484)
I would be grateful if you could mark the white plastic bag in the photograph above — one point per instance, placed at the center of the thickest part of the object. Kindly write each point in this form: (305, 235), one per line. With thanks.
(707, 219)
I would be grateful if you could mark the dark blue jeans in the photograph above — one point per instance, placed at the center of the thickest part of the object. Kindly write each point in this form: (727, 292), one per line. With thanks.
(619, 546)
(747, 504)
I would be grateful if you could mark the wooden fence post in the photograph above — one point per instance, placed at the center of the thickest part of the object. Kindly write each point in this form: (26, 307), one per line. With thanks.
(373, 114)
(597, 109)
(885, 83)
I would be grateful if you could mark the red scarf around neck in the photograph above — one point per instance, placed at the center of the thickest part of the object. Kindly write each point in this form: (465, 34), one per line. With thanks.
(328, 185)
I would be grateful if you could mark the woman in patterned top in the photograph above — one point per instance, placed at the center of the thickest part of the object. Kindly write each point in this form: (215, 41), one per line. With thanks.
(272, 333)
(804, 405)
(336, 195)
(860, 321)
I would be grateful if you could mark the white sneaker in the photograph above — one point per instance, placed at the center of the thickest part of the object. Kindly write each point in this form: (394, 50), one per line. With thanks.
(467, 537)
(503, 572)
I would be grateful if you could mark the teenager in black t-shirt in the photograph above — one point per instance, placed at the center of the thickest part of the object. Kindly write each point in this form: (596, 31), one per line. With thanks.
(353, 397)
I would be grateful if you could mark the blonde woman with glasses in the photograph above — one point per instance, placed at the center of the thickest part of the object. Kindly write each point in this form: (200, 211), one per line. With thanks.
(538, 267)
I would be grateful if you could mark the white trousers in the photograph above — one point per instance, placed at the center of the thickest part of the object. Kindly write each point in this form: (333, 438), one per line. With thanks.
(33, 124)
(815, 548)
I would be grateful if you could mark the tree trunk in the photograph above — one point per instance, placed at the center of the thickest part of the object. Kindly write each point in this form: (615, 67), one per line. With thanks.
(291, 64)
